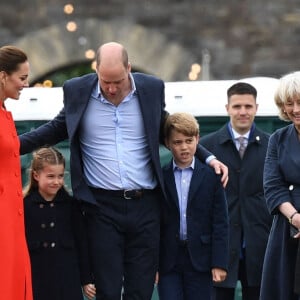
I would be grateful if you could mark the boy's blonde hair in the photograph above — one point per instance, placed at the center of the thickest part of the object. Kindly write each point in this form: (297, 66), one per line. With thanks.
(183, 123)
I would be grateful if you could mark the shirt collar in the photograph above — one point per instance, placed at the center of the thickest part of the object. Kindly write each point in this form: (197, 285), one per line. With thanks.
(133, 90)
(192, 165)
(236, 135)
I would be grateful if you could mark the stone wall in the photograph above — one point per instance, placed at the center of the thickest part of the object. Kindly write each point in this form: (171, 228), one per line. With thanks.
(243, 38)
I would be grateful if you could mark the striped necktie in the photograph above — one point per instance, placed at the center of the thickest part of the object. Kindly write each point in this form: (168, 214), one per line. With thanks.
(242, 140)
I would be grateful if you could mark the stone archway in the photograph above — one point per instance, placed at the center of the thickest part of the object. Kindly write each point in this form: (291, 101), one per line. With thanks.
(54, 47)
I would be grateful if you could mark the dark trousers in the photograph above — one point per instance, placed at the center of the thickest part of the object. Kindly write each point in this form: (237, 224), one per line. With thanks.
(124, 243)
(248, 292)
(184, 282)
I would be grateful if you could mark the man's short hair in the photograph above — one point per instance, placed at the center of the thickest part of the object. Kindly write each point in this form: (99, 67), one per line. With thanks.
(242, 88)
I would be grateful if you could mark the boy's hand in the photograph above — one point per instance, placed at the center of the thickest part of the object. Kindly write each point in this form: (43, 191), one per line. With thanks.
(218, 275)
(156, 278)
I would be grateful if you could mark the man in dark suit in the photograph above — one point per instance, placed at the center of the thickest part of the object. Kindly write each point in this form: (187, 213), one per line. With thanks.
(194, 227)
(113, 121)
(250, 220)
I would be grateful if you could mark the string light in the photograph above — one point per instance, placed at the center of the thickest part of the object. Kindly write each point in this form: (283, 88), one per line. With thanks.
(47, 83)
(195, 71)
(71, 26)
(90, 54)
(68, 9)
(93, 65)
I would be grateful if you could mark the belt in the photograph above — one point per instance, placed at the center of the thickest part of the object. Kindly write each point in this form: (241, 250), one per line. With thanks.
(126, 194)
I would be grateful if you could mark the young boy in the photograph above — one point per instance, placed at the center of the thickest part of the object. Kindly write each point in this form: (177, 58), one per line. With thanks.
(194, 231)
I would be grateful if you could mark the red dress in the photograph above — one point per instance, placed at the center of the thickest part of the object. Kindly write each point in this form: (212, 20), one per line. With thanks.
(15, 274)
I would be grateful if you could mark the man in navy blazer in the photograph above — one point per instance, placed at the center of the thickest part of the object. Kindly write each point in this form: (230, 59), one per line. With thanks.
(250, 221)
(194, 227)
(113, 122)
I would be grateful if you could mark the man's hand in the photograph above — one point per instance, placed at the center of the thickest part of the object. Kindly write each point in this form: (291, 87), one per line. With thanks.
(220, 168)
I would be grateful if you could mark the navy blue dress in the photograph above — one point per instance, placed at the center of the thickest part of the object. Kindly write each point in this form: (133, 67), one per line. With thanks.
(281, 184)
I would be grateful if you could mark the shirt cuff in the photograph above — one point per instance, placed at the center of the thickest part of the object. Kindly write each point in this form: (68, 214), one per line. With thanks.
(209, 159)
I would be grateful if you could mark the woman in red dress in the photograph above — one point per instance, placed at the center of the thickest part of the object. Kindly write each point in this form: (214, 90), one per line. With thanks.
(15, 274)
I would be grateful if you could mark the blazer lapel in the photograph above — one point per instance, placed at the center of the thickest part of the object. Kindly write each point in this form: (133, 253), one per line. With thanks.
(144, 100)
(170, 184)
(195, 180)
(146, 105)
(83, 96)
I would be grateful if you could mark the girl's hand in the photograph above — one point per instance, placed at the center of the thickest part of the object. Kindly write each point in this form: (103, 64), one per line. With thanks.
(89, 291)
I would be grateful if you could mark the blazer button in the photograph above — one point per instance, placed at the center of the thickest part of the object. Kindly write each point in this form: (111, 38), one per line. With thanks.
(43, 225)
(41, 205)
(52, 224)
(291, 187)
(53, 245)
(45, 244)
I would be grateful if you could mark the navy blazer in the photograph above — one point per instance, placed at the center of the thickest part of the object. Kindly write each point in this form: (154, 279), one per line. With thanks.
(250, 220)
(77, 91)
(206, 216)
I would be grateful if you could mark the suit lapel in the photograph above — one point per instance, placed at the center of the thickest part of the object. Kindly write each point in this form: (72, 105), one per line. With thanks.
(83, 96)
(144, 100)
(196, 179)
(170, 184)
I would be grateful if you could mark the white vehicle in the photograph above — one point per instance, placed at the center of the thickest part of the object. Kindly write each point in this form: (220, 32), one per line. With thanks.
(208, 98)
(200, 98)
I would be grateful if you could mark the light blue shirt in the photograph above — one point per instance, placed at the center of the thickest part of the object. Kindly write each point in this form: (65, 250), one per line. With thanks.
(113, 143)
(183, 180)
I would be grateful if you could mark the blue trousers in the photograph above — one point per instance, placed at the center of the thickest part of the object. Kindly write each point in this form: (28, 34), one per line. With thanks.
(184, 282)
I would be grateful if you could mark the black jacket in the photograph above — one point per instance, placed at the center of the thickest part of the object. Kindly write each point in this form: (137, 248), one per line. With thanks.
(57, 246)
(250, 221)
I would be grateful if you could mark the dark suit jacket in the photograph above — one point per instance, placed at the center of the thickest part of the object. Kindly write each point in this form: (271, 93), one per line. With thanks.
(207, 221)
(248, 214)
(77, 91)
